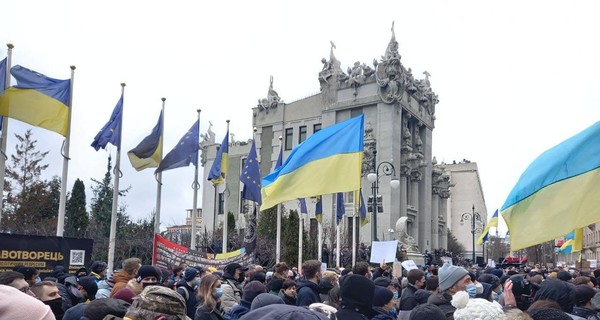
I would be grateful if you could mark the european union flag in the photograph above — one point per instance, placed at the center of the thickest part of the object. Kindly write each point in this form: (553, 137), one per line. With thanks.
(111, 132)
(184, 153)
(250, 177)
(279, 161)
(363, 211)
(302, 204)
(340, 208)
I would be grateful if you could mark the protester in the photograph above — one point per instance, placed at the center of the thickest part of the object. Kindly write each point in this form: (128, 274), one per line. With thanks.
(308, 288)
(383, 304)
(582, 296)
(157, 302)
(14, 305)
(16, 280)
(209, 299)
(48, 293)
(427, 312)
(452, 279)
(327, 282)
(288, 292)
(283, 312)
(477, 308)
(416, 281)
(187, 286)
(251, 290)
(98, 270)
(265, 299)
(280, 274)
(231, 284)
(356, 292)
(104, 308)
(128, 272)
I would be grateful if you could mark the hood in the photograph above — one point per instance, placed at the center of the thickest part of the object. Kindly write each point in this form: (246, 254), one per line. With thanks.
(306, 283)
(122, 276)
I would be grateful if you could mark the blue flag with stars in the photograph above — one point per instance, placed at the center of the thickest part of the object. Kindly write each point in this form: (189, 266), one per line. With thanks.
(250, 177)
(340, 208)
(111, 132)
(3, 68)
(184, 153)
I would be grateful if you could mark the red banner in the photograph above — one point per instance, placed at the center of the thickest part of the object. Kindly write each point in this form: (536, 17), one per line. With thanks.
(168, 254)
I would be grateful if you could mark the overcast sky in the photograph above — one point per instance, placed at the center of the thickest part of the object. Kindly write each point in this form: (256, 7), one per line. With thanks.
(514, 78)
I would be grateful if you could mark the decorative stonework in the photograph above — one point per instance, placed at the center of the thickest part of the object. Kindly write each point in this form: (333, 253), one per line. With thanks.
(370, 144)
(272, 100)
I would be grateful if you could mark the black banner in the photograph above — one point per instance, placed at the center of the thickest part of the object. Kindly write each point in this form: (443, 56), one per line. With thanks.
(44, 253)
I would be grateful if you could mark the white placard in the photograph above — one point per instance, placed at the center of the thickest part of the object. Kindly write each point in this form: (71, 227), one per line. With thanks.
(491, 263)
(383, 251)
(323, 267)
(447, 260)
(409, 265)
(593, 263)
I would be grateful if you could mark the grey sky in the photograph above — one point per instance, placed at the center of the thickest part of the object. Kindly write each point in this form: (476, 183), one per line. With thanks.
(514, 77)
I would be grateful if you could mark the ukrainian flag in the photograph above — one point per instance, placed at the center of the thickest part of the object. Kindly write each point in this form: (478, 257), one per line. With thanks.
(148, 153)
(218, 171)
(558, 192)
(327, 162)
(574, 241)
(38, 100)
(485, 234)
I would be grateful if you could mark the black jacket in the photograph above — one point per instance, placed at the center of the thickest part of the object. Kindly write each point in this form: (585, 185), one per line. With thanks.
(408, 299)
(443, 301)
(307, 293)
(189, 295)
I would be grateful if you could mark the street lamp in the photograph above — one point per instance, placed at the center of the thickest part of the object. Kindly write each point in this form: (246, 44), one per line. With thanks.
(387, 169)
(474, 217)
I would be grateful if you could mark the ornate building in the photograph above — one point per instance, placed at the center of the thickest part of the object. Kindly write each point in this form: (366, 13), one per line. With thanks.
(399, 118)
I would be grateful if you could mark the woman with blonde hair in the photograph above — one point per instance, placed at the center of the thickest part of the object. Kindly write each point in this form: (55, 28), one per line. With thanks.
(209, 299)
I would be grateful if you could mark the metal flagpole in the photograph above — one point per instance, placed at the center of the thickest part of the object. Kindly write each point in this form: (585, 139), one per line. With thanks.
(225, 213)
(354, 221)
(337, 240)
(4, 135)
(196, 187)
(320, 237)
(60, 226)
(300, 231)
(278, 240)
(115, 200)
(159, 175)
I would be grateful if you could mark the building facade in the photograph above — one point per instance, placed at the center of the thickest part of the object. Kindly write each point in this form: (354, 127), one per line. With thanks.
(399, 113)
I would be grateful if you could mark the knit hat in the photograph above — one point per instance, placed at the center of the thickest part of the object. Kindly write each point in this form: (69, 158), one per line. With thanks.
(382, 296)
(490, 279)
(147, 271)
(98, 266)
(548, 314)
(190, 273)
(382, 281)
(15, 305)
(265, 299)
(356, 291)
(251, 290)
(230, 268)
(564, 275)
(422, 296)
(99, 308)
(582, 294)
(161, 300)
(467, 309)
(497, 272)
(427, 311)
(90, 286)
(282, 312)
(449, 275)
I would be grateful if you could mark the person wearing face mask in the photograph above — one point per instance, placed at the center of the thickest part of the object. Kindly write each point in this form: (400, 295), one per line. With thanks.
(47, 292)
(209, 299)
(492, 288)
(416, 281)
(233, 276)
(452, 279)
(187, 286)
(383, 304)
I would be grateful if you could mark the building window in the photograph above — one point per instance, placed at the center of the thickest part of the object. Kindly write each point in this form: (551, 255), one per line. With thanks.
(316, 127)
(289, 135)
(221, 203)
(302, 134)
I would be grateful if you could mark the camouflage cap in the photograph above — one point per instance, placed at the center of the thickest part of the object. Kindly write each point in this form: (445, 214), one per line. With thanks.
(161, 300)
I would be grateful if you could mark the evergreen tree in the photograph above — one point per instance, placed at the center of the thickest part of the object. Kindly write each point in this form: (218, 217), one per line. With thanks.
(76, 212)
(267, 224)
(289, 239)
(30, 202)
(102, 204)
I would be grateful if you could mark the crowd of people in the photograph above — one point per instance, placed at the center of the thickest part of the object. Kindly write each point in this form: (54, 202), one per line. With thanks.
(143, 292)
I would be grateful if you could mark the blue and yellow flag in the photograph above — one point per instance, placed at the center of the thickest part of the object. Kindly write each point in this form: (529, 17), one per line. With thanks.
(340, 208)
(327, 162)
(38, 100)
(218, 171)
(111, 132)
(557, 193)
(485, 234)
(279, 161)
(184, 153)
(250, 177)
(319, 209)
(574, 241)
(364, 218)
(148, 153)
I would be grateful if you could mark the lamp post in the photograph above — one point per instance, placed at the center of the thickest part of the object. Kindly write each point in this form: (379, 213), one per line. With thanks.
(387, 169)
(474, 217)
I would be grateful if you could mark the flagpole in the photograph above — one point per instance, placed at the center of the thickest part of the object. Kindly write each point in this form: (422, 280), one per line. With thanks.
(115, 200)
(225, 213)
(300, 231)
(4, 135)
(196, 187)
(354, 222)
(159, 174)
(337, 240)
(60, 226)
(320, 237)
(278, 240)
